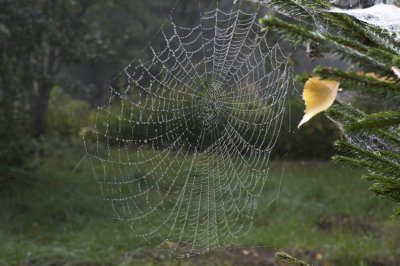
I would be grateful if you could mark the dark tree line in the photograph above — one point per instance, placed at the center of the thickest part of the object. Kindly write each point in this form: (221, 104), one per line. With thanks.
(77, 46)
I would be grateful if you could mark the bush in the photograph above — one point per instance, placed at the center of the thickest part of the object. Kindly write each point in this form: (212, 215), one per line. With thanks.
(66, 116)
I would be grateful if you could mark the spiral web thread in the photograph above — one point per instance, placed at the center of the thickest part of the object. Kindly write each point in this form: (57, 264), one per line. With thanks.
(185, 138)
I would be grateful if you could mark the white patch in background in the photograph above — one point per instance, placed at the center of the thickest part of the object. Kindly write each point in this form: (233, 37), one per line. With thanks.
(396, 71)
(384, 16)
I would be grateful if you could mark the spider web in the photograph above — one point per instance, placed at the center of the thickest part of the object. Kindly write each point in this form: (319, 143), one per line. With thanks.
(184, 141)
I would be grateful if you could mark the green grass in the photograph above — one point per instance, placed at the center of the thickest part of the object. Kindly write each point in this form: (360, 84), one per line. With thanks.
(52, 215)
(325, 208)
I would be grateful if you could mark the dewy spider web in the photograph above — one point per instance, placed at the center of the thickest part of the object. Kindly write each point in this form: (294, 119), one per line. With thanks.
(185, 138)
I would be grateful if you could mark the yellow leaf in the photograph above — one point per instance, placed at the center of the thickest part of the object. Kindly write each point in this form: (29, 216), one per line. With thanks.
(171, 245)
(318, 96)
(375, 76)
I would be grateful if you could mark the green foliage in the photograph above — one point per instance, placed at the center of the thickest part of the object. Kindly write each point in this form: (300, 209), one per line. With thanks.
(38, 39)
(361, 82)
(41, 44)
(377, 120)
(370, 141)
(66, 116)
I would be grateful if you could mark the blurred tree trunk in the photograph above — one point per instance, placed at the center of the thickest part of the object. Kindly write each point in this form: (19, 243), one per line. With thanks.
(43, 87)
(8, 98)
(7, 107)
(39, 108)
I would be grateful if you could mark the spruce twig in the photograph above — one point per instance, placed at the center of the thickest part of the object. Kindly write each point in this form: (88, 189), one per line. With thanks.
(286, 258)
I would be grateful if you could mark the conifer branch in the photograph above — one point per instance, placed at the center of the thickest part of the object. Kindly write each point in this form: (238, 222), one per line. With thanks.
(375, 52)
(377, 120)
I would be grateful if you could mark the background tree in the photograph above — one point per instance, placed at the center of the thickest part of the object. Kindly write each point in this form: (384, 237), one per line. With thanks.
(75, 48)
(38, 39)
(42, 42)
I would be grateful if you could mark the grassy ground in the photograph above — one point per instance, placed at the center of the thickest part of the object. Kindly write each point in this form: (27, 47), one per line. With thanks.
(324, 214)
